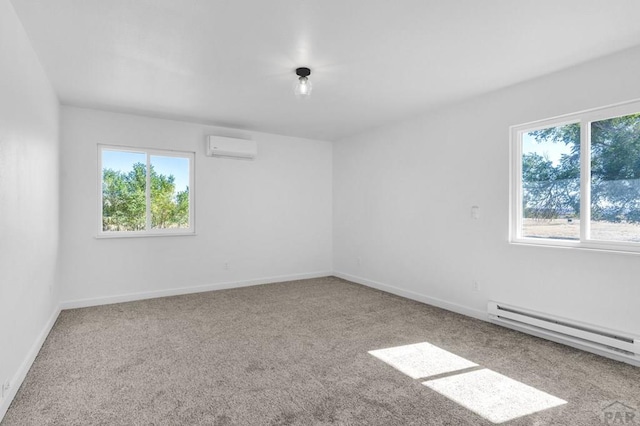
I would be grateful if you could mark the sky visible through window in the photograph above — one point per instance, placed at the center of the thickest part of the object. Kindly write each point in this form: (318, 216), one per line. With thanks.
(124, 160)
(551, 150)
(176, 166)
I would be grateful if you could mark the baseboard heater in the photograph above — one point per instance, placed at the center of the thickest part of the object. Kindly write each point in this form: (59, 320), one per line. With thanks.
(609, 343)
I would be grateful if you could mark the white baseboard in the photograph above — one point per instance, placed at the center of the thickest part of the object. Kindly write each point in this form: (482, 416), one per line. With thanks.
(449, 306)
(130, 297)
(568, 341)
(18, 378)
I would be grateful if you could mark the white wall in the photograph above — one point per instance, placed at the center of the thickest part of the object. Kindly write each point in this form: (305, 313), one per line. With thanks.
(28, 202)
(403, 197)
(270, 218)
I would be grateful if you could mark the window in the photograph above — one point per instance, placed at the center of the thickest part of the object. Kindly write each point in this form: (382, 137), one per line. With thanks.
(576, 180)
(145, 192)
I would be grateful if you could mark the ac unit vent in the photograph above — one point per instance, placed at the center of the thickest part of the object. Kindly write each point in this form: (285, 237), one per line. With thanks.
(221, 146)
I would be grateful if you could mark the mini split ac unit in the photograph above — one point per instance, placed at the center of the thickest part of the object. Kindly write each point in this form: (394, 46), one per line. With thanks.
(220, 146)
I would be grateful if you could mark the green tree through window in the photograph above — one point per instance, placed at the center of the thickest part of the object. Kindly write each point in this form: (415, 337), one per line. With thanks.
(550, 181)
(615, 171)
(124, 192)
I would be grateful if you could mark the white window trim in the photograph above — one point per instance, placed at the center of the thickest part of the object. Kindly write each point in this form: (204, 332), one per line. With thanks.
(149, 232)
(515, 178)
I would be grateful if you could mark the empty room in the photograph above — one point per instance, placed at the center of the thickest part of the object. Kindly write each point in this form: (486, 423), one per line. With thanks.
(314, 212)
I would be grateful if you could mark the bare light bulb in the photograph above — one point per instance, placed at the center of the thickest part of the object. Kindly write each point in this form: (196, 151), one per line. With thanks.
(302, 87)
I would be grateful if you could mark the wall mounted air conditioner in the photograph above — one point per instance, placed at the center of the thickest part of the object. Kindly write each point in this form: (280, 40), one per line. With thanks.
(221, 146)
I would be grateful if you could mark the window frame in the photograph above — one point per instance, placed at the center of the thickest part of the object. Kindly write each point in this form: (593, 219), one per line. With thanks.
(148, 231)
(584, 118)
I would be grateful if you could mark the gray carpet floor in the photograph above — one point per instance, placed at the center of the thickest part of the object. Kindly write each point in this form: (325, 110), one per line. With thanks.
(292, 353)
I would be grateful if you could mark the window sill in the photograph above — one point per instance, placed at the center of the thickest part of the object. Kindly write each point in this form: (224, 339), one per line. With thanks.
(613, 248)
(143, 235)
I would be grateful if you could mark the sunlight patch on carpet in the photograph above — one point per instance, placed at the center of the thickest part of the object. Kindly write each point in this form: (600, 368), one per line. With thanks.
(493, 396)
(422, 360)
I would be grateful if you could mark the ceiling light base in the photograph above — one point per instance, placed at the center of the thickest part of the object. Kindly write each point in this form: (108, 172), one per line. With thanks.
(303, 72)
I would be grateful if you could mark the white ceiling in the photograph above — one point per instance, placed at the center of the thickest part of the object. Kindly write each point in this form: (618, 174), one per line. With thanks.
(231, 62)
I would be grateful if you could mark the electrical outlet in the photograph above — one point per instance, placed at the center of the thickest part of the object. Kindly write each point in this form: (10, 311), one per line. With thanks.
(227, 266)
(475, 286)
(475, 212)
(359, 260)
(5, 388)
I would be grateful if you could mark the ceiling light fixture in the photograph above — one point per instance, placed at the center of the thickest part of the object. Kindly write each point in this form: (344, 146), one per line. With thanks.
(303, 87)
